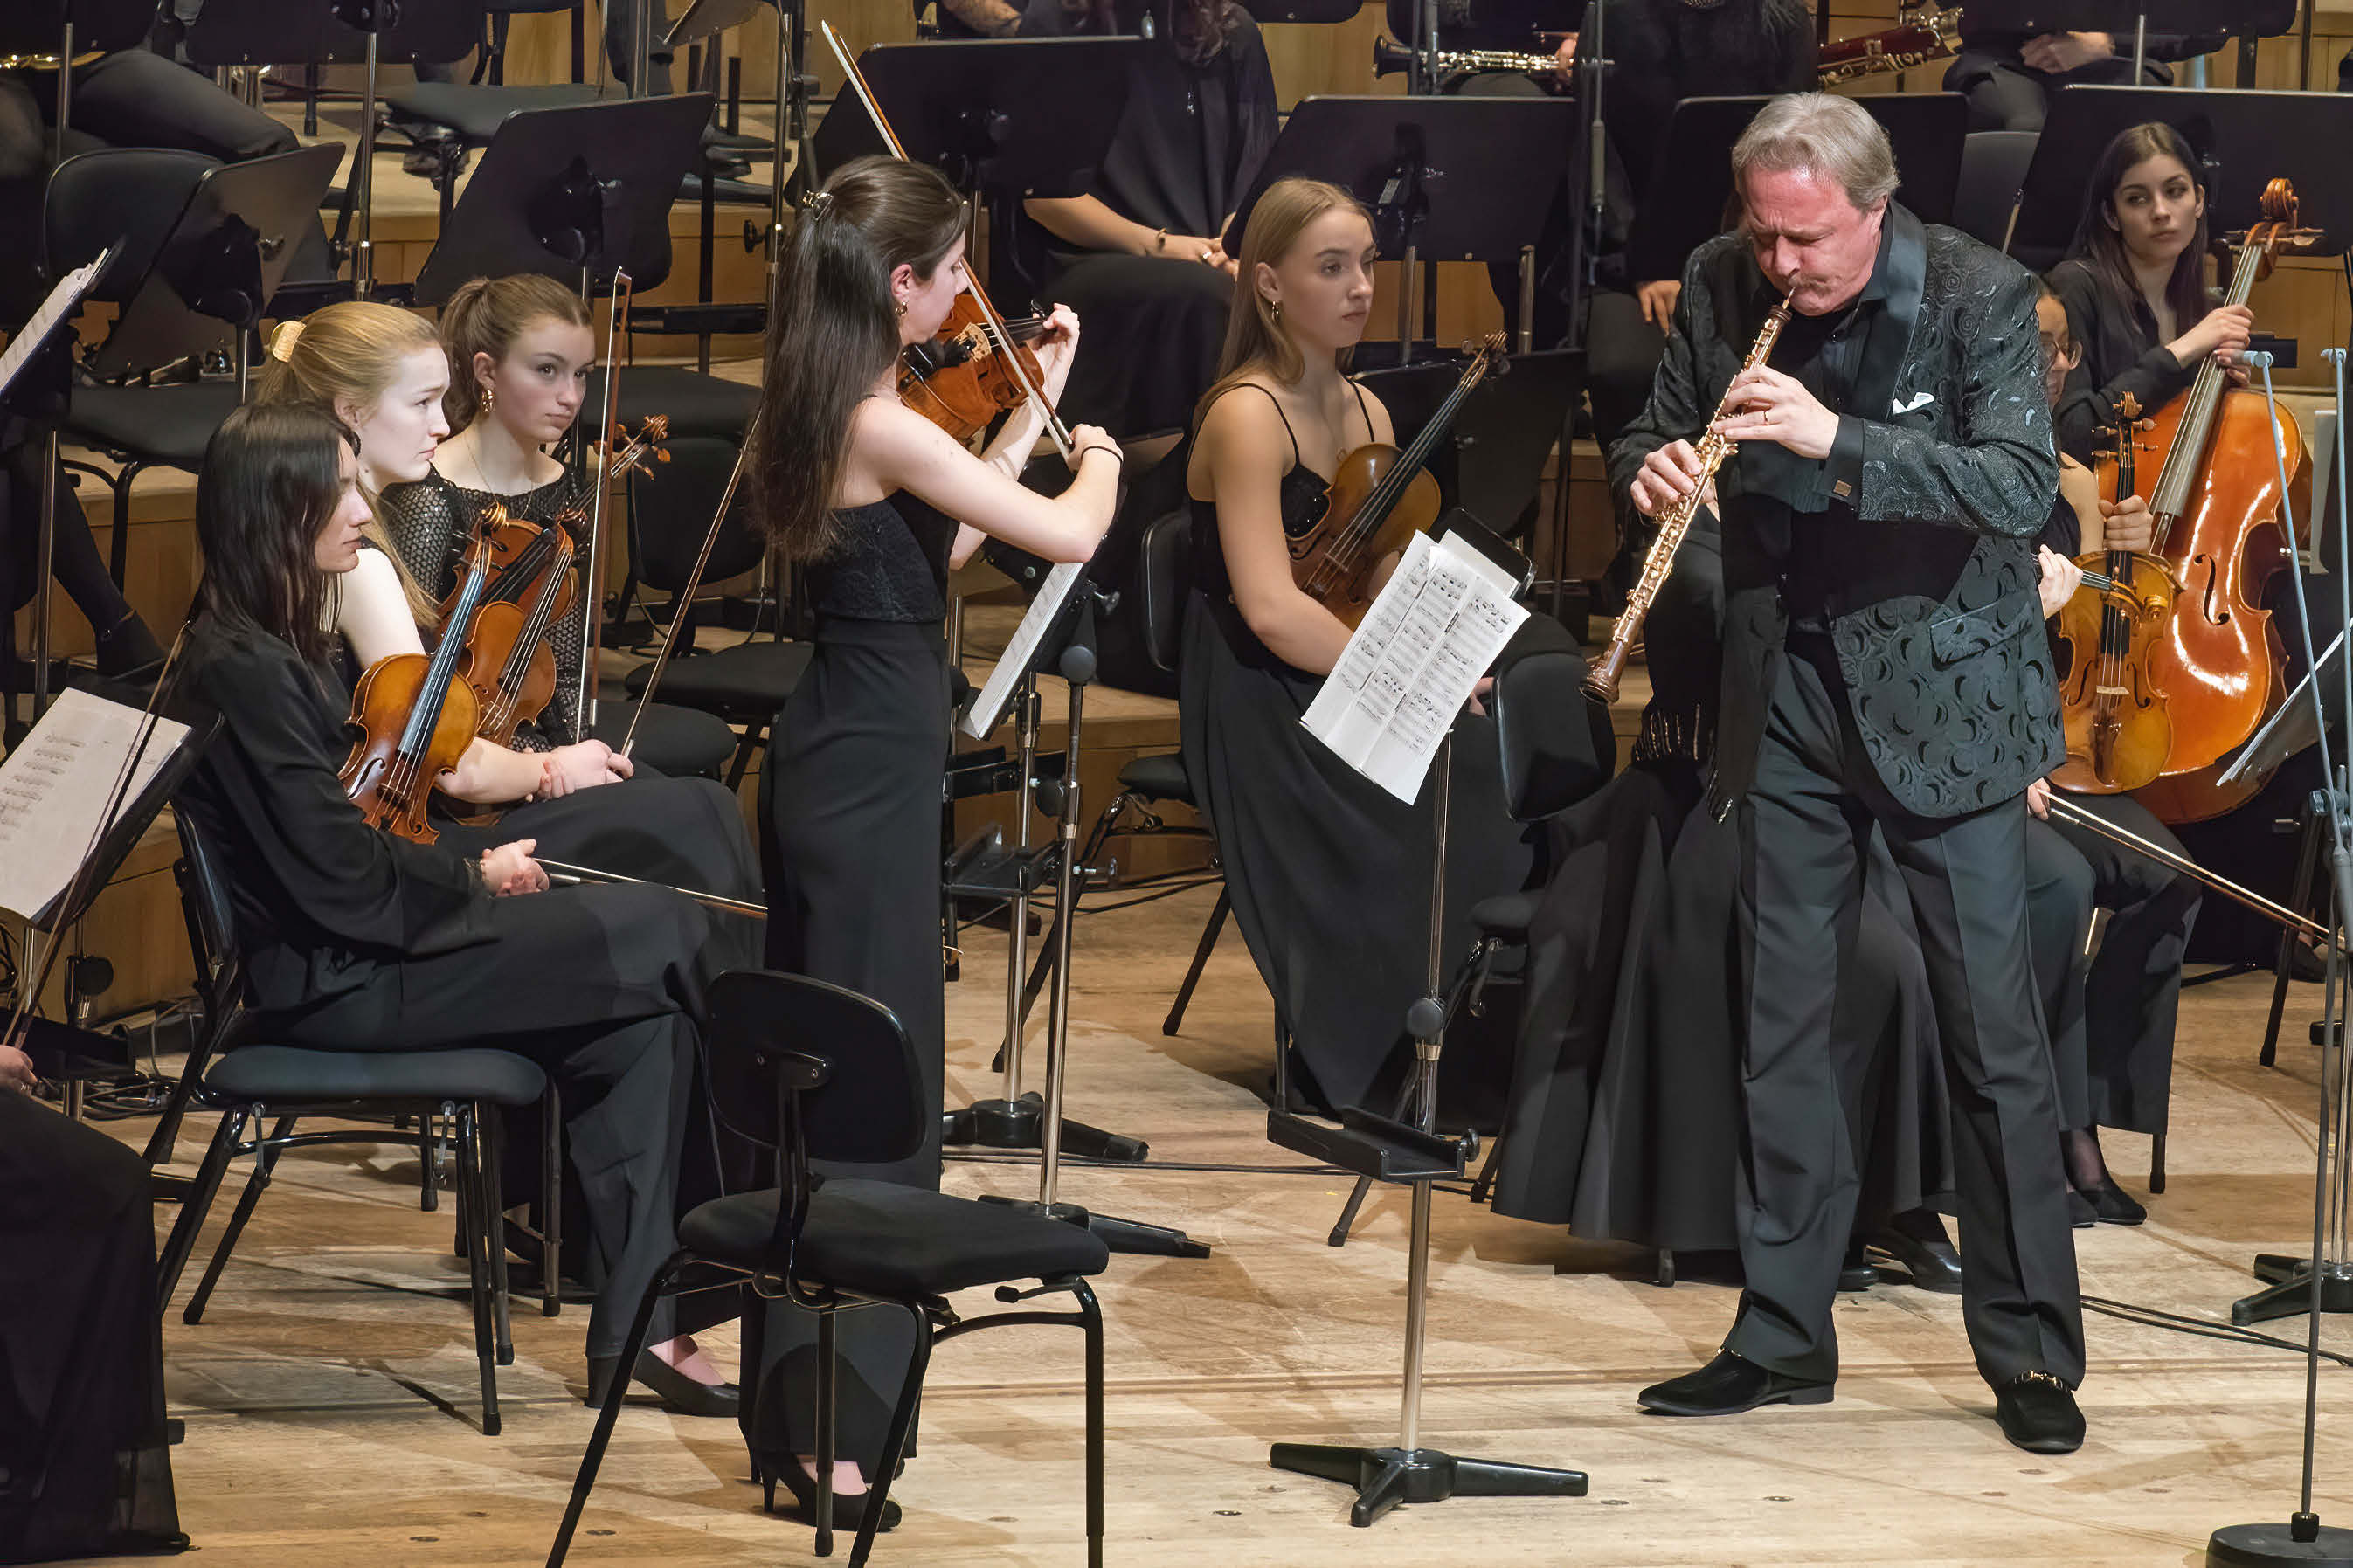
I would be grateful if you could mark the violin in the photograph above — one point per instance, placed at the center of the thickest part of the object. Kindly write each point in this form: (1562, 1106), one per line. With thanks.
(2118, 733)
(1378, 498)
(510, 659)
(2215, 506)
(414, 716)
(960, 381)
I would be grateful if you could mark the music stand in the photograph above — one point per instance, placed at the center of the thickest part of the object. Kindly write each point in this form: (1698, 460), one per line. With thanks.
(1027, 117)
(374, 33)
(2246, 18)
(575, 193)
(1689, 187)
(706, 19)
(1445, 178)
(2246, 138)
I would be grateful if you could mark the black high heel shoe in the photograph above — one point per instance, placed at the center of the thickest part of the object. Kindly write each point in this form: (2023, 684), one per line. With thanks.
(680, 1394)
(848, 1510)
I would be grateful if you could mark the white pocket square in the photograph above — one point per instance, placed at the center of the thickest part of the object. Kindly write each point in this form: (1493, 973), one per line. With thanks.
(1919, 400)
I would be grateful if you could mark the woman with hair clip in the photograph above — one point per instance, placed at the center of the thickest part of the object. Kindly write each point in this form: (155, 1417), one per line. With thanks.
(877, 504)
(385, 375)
(1142, 255)
(1328, 872)
(355, 940)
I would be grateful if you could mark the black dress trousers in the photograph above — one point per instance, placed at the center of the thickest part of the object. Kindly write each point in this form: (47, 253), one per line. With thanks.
(1803, 826)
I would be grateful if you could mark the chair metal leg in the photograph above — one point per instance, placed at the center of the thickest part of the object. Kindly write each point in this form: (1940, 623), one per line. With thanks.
(894, 1441)
(265, 1158)
(2307, 865)
(828, 1404)
(196, 1208)
(550, 1188)
(2157, 1163)
(1091, 1314)
(494, 1222)
(753, 734)
(1483, 1188)
(1347, 1220)
(428, 1160)
(1175, 1019)
(640, 1330)
(477, 1273)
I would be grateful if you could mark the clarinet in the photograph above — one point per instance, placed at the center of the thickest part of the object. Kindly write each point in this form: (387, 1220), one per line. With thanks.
(1601, 680)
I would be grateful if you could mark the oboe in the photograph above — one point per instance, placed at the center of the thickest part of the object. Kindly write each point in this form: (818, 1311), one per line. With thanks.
(1602, 679)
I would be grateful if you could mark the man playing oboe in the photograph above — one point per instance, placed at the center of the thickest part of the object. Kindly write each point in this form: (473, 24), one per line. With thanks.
(1883, 664)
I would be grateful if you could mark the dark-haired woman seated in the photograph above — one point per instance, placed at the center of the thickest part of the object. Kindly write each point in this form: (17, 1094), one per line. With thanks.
(355, 940)
(1141, 256)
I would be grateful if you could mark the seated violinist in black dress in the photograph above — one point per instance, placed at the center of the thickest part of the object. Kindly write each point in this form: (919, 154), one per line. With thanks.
(356, 940)
(1329, 874)
(1141, 257)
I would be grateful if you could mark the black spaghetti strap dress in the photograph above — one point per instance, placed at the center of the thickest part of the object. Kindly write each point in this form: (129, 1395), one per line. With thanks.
(851, 836)
(1329, 873)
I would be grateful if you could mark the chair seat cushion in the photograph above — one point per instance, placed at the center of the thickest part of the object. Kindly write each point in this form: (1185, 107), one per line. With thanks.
(1507, 915)
(167, 425)
(474, 113)
(1160, 777)
(878, 1239)
(283, 1075)
(747, 683)
(696, 404)
(682, 742)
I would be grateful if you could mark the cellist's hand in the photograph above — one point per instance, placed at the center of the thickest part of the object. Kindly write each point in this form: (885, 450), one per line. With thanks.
(2126, 524)
(1056, 346)
(2037, 798)
(509, 870)
(583, 766)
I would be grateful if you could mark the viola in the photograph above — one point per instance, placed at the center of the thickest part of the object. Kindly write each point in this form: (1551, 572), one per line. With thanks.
(2118, 733)
(414, 716)
(960, 381)
(510, 655)
(1378, 498)
(2215, 505)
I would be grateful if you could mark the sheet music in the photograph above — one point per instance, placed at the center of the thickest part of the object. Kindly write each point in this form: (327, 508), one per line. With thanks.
(982, 713)
(1434, 629)
(63, 301)
(55, 786)
(2291, 728)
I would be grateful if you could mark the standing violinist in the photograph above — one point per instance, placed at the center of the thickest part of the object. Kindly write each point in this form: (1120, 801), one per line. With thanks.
(1879, 520)
(1326, 870)
(876, 504)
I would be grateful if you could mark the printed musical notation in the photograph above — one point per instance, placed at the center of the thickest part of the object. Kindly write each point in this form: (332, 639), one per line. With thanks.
(1434, 629)
(54, 789)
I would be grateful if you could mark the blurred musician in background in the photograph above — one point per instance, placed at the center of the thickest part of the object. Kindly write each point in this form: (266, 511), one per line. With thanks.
(2009, 77)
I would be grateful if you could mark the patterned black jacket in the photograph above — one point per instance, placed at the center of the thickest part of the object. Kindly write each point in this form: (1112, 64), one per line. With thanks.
(1945, 451)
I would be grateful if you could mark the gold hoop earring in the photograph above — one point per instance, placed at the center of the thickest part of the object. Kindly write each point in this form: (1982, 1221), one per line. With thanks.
(902, 307)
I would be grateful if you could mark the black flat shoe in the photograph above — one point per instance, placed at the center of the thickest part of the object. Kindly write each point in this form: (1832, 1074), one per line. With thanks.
(848, 1511)
(2081, 1214)
(1930, 1260)
(1728, 1385)
(2111, 1205)
(2038, 1414)
(680, 1394)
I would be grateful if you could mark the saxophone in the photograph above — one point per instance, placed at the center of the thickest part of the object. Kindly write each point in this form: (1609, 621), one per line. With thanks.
(1601, 680)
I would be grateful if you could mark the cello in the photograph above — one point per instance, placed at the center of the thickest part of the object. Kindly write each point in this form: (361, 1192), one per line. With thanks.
(2118, 733)
(2214, 504)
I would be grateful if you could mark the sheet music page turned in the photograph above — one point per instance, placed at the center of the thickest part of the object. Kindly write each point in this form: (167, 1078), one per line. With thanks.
(55, 786)
(987, 706)
(1434, 629)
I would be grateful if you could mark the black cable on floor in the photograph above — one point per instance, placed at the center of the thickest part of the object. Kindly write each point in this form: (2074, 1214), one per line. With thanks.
(2156, 1318)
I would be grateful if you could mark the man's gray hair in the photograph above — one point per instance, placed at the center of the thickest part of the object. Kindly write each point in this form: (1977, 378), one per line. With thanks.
(1830, 137)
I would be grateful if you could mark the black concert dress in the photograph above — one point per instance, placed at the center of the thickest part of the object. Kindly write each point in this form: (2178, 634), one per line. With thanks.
(85, 1468)
(356, 940)
(1329, 873)
(850, 819)
(1189, 142)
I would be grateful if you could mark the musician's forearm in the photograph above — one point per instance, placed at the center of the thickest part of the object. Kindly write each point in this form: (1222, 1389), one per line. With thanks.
(991, 18)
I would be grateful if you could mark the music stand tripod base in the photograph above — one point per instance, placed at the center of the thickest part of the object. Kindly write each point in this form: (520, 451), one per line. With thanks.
(1021, 1124)
(1385, 1478)
(2275, 1544)
(2288, 1289)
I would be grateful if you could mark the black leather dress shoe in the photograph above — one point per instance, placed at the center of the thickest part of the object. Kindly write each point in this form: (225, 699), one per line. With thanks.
(2038, 1414)
(1728, 1385)
(1929, 1260)
(2111, 1205)
(680, 1394)
(1856, 1273)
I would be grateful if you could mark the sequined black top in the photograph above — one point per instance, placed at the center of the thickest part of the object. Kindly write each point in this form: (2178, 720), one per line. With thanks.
(889, 561)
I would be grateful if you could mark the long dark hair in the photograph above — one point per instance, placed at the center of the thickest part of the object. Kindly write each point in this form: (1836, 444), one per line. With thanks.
(836, 329)
(2100, 243)
(272, 476)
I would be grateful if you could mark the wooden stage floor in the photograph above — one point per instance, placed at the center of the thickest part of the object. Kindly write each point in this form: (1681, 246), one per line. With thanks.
(329, 1395)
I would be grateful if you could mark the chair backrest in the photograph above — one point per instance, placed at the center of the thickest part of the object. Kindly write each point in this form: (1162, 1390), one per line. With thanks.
(211, 917)
(271, 32)
(128, 197)
(1556, 743)
(1163, 577)
(870, 1109)
(1993, 169)
(671, 509)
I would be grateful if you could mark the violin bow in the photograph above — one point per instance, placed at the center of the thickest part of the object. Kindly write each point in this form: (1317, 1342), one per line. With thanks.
(571, 875)
(2068, 811)
(592, 645)
(990, 319)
